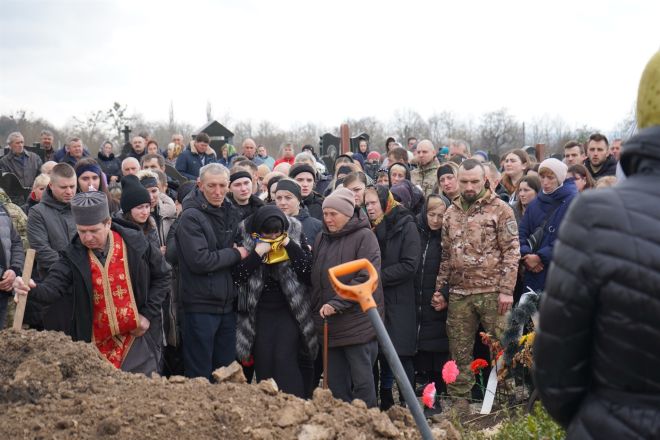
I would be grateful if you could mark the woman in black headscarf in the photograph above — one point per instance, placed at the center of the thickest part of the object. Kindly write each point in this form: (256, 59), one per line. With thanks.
(432, 340)
(274, 313)
(399, 244)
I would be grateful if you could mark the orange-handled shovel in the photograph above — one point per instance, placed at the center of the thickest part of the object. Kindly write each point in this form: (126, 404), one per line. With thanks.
(362, 293)
(22, 299)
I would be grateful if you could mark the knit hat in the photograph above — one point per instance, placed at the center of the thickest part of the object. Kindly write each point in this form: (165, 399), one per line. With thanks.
(481, 153)
(90, 208)
(342, 200)
(302, 168)
(344, 169)
(373, 155)
(291, 186)
(239, 175)
(132, 193)
(254, 223)
(444, 150)
(558, 167)
(88, 167)
(445, 169)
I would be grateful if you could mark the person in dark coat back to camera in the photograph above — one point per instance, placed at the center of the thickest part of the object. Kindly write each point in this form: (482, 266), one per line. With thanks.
(432, 341)
(274, 311)
(400, 248)
(548, 210)
(352, 343)
(597, 349)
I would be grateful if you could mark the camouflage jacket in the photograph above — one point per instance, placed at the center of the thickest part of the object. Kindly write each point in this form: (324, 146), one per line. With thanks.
(480, 247)
(18, 217)
(426, 176)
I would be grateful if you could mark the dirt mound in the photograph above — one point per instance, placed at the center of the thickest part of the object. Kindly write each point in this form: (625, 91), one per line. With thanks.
(51, 387)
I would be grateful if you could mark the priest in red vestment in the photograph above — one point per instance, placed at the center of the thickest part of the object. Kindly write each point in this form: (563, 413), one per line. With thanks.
(118, 282)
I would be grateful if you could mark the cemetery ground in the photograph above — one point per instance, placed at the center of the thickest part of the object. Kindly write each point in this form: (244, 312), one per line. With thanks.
(53, 388)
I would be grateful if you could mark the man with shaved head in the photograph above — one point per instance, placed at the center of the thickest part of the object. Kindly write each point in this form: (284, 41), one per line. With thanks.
(425, 175)
(249, 150)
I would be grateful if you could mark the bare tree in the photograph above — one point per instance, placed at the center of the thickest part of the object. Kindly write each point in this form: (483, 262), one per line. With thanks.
(116, 118)
(29, 125)
(271, 136)
(371, 126)
(91, 129)
(408, 123)
(242, 130)
(499, 130)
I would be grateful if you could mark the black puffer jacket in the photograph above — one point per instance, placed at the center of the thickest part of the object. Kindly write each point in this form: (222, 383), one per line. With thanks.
(398, 240)
(597, 351)
(204, 241)
(431, 325)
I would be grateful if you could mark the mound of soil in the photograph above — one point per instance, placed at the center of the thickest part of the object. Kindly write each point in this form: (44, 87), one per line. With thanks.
(51, 387)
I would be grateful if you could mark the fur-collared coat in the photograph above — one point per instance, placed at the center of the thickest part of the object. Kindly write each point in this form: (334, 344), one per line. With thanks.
(293, 275)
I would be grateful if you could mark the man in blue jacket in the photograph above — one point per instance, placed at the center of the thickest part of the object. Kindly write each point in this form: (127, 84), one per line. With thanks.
(206, 253)
(193, 159)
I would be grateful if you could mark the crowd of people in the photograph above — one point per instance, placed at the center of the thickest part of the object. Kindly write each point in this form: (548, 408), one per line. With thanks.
(185, 277)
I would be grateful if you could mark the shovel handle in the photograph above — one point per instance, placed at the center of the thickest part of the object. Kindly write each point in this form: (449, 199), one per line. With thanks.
(22, 299)
(325, 354)
(361, 293)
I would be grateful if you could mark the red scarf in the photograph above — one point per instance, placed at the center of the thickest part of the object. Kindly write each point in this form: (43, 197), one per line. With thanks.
(115, 311)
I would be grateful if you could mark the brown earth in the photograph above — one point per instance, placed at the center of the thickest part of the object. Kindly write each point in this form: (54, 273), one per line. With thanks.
(53, 388)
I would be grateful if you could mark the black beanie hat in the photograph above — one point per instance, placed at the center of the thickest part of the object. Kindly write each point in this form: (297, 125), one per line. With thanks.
(255, 222)
(302, 168)
(444, 169)
(239, 175)
(184, 190)
(132, 193)
(289, 185)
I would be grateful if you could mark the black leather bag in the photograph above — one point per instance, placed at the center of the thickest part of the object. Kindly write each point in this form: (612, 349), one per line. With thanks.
(535, 239)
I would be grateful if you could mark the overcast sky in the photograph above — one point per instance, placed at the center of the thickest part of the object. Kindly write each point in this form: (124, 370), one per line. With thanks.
(293, 61)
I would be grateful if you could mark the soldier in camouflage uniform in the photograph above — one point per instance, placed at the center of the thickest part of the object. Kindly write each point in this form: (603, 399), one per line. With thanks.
(425, 175)
(18, 217)
(479, 263)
